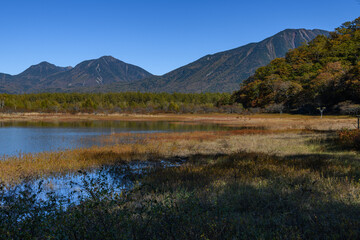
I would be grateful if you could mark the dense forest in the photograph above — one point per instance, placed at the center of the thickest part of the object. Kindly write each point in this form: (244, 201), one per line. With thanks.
(323, 74)
(132, 102)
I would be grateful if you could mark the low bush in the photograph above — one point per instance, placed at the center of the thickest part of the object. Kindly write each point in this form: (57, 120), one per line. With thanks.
(349, 139)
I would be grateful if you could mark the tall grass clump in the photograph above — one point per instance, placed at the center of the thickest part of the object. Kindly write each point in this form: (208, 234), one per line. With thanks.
(349, 138)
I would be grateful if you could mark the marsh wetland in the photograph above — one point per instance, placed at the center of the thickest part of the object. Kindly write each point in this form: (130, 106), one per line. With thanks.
(201, 177)
(18, 137)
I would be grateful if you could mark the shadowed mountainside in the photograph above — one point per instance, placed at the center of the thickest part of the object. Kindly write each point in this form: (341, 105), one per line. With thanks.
(322, 74)
(223, 71)
(48, 77)
(220, 72)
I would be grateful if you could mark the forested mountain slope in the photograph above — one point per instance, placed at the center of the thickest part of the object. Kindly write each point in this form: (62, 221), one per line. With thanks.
(323, 73)
(224, 71)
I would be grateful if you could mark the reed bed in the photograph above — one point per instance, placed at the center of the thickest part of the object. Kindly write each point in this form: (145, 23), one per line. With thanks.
(223, 196)
(122, 148)
(287, 181)
(258, 196)
(15, 168)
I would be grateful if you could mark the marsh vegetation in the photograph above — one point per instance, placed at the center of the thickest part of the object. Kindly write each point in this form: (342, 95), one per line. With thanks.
(273, 177)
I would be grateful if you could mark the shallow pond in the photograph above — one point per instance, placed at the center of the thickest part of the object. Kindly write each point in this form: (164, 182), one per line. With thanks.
(32, 137)
(72, 188)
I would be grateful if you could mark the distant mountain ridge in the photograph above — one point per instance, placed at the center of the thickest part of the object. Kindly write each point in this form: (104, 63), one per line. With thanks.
(220, 72)
(50, 78)
(223, 71)
(41, 70)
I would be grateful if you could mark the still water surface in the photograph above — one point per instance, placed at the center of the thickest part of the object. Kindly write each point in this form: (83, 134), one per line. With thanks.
(71, 188)
(32, 137)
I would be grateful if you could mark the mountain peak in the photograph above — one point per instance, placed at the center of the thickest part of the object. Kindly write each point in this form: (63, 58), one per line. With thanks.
(42, 64)
(111, 58)
(293, 29)
(219, 72)
(96, 73)
(101, 60)
(303, 30)
(45, 63)
(224, 71)
(41, 70)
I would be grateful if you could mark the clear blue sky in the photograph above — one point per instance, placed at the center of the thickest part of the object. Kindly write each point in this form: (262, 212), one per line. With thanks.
(158, 36)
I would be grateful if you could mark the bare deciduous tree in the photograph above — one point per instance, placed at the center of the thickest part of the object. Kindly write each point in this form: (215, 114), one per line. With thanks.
(321, 109)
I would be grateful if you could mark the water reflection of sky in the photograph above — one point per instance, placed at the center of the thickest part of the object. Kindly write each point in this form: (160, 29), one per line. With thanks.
(32, 137)
(21, 139)
(71, 188)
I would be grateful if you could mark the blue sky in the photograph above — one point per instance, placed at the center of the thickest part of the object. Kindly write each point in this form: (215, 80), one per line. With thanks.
(156, 35)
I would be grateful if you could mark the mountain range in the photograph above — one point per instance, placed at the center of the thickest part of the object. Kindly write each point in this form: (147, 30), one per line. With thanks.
(46, 77)
(220, 72)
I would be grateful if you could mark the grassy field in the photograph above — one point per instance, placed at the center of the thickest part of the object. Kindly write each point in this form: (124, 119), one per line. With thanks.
(279, 177)
(153, 147)
(273, 121)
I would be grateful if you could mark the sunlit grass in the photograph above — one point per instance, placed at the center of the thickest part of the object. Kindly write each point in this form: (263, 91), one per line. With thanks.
(156, 146)
(270, 121)
(284, 177)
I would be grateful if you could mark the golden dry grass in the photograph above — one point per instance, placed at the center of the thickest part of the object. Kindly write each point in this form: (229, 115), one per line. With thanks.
(271, 134)
(156, 146)
(270, 182)
(271, 121)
